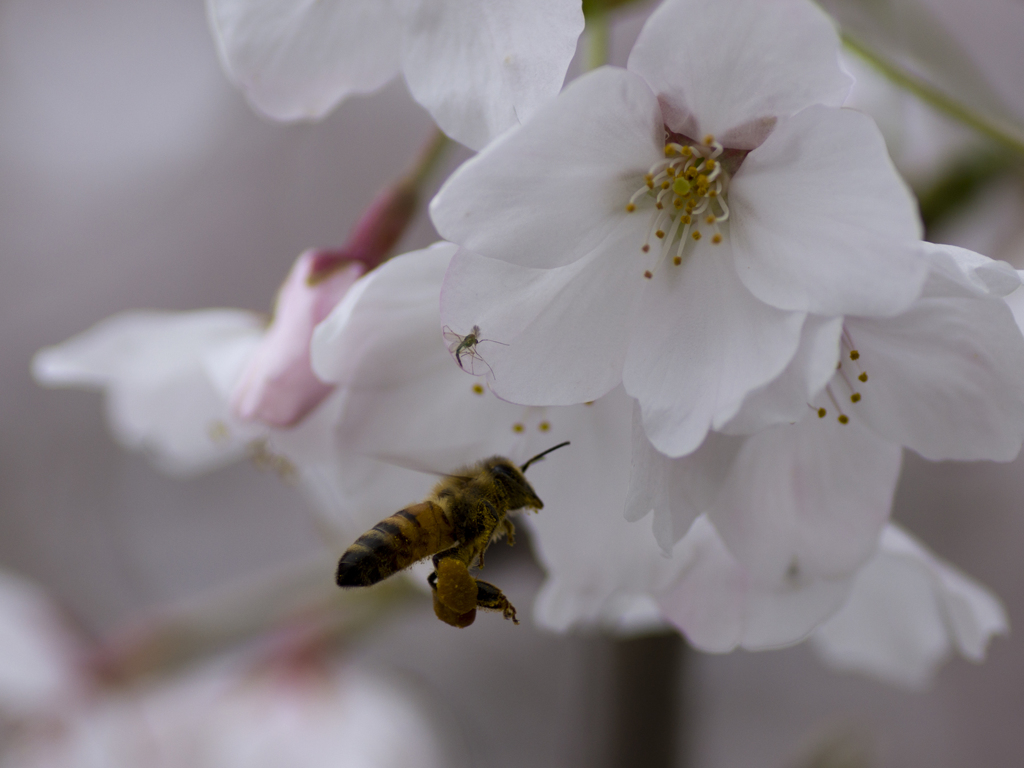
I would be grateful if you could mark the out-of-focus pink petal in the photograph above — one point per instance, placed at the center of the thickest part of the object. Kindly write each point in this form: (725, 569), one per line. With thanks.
(278, 386)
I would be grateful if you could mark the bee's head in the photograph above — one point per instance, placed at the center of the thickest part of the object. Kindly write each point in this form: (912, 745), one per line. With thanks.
(513, 481)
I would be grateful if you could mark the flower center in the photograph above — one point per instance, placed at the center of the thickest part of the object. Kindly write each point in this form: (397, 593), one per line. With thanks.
(845, 384)
(687, 195)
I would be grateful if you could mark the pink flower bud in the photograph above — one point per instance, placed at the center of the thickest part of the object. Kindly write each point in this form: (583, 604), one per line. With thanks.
(278, 386)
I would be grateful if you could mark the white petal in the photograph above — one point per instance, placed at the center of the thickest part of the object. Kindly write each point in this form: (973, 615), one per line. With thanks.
(551, 192)
(808, 500)
(677, 491)
(601, 570)
(822, 223)
(700, 343)
(785, 398)
(160, 398)
(480, 67)
(718, 607)
(405, 405)
(398, 296)
(555, 336)
(731, 67)
(296, 59)
(960, 272)
(946, 378)
(906, 613)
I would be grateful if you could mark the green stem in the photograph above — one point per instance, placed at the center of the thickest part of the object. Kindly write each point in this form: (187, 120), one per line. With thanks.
(1008, 136)
(597, 39)
(430, 157)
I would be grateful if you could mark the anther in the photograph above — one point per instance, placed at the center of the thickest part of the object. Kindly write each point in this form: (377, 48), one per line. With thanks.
(716, 239)
(844, 419)
(630, 208)
(646, 248)
(478, 389)
(710, 219)
(544, 426)
(647, 274)
(659, 234)
(854, 354)
(696, 234)
(821, 413)
(517, 427)
(677, 260)
(863, 376)
(709, 139)
(855, 397)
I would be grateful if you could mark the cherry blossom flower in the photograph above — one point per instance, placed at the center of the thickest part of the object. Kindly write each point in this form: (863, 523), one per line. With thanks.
(804, 502)
(169, 379)
(716, 166)
(478, 67)
(802, 507)
(906, 613)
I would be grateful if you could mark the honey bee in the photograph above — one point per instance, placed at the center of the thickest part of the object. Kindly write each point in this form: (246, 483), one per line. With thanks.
(464, 513)
(464, 350)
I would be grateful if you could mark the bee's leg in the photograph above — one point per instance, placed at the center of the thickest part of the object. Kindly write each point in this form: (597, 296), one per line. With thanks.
(490, 597)
(510, 531)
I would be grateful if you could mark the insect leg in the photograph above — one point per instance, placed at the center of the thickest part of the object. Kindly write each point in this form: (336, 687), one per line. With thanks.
(510, 531)
(491, 598)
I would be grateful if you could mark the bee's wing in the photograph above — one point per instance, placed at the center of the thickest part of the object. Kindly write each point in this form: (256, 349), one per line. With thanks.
(414, 465)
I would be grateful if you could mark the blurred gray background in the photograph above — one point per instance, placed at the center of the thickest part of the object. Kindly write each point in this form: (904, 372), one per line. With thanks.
(133, 175)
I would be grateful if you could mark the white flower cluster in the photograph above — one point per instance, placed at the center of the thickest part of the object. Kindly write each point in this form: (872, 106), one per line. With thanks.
(700, 269)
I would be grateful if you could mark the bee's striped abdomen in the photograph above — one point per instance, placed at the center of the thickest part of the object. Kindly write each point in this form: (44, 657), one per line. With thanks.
(395, 543)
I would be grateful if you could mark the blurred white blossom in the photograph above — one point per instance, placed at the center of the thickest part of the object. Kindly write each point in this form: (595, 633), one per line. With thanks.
(41, 659)
(283, 713)
(478, 67)
(907, 613)
(174, 383)
(717, 166)
(153, 368)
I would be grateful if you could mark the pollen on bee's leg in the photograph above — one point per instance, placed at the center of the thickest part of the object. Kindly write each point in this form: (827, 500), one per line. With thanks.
(456, 589)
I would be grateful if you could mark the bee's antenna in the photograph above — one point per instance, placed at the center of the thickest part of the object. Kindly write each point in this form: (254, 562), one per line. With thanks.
(542, 454)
